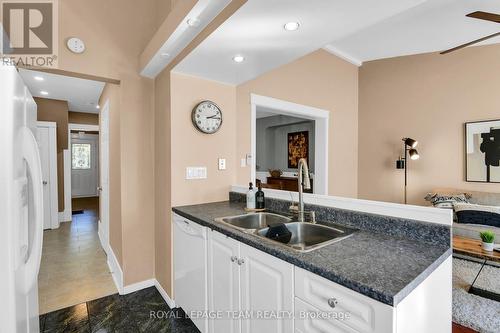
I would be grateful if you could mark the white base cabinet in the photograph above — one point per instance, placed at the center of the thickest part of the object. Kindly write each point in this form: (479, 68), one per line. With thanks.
(223, 282)
(248, 287)
(250, 291)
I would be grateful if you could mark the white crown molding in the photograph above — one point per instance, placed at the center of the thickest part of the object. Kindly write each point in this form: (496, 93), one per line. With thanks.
(336, 52)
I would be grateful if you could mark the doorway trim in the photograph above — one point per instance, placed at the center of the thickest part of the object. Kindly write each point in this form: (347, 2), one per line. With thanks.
(66, 216)
(321, 120)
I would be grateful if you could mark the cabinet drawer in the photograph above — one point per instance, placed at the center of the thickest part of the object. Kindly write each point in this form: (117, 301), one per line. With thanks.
(365, 314)
(306, 320)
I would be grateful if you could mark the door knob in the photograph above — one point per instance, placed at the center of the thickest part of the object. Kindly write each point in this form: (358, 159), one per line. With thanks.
(45, 182)
(99, 188)
(234, 258)
(241, 261)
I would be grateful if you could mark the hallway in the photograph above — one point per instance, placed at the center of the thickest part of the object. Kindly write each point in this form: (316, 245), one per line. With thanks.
(73, 268)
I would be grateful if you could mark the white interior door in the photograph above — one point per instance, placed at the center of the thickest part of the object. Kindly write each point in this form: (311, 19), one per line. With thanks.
(104, 176)
(84, 165)
(46, 137)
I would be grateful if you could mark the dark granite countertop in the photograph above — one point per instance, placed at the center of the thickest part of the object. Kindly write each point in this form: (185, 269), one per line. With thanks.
(382, 267)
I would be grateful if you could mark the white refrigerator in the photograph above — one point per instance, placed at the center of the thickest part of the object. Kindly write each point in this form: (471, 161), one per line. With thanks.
(21, 206)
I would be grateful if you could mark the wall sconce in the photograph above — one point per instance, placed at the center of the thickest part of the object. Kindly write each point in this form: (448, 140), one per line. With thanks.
(402, 162)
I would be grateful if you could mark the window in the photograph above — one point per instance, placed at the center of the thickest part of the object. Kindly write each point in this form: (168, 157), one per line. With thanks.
(80, 156)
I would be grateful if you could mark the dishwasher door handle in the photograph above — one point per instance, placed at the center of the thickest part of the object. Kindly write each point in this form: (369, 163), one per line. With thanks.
(187, 228)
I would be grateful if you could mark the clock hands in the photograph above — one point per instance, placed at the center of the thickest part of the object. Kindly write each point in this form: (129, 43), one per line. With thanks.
(213, 117)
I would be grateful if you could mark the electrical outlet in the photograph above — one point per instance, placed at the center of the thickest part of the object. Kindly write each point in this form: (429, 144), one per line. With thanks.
(222, 164)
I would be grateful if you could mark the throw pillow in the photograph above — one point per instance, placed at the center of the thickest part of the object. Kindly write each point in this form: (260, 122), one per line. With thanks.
(477, 214)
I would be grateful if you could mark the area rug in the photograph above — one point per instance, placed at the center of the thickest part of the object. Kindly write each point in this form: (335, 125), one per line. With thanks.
(478, 313)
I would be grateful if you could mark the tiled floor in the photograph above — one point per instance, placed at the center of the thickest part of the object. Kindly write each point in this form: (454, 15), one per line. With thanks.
(129, 313)
(74, 266)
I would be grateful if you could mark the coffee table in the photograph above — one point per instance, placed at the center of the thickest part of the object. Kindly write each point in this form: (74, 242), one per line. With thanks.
(473, 248)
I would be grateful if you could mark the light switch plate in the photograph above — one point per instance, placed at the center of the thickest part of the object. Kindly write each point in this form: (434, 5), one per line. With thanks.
(196, 173)
(243, 162)
(222, 164)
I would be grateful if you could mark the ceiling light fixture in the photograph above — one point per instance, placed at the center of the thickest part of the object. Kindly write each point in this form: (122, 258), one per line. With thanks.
(291, 26)
(238, 58)
(39, 78)
(43, 92)
(193, 22)
(165, 55)
(97, 107)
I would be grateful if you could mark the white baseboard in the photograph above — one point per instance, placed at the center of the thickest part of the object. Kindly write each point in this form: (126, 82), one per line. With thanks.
(164, 294)
(65, 216)
(138, 286)
(115, 268)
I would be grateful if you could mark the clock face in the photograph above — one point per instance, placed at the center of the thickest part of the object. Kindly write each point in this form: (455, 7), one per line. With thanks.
(207, 117)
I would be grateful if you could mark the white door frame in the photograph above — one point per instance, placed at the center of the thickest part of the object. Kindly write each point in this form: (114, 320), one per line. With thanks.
(52, 182)
(67, 215)
(321, 120)
(103, 227)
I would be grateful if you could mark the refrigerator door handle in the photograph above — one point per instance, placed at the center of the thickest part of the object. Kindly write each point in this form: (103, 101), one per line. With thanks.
(31, 155)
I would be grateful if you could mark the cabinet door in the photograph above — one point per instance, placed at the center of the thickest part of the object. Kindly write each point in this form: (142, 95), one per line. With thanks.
(266, 289)
(223, 282)
(308, 319)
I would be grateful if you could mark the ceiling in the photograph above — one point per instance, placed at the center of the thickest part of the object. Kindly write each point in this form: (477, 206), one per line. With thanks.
(355, 30)
(82, 95)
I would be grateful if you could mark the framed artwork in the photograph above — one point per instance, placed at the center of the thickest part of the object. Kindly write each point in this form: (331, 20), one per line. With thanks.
(482, 151)
(298, 147)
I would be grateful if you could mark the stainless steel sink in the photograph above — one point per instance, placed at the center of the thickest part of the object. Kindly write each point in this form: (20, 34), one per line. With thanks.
(254, 221)
(307, 236)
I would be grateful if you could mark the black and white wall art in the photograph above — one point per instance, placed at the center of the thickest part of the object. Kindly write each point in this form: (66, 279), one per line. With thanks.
(482, 145)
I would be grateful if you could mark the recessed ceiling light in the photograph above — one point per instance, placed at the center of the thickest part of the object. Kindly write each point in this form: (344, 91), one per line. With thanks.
(39, 78)
(165, 55)
(291, 26)
(193, 22)
(238, 58)
(43, 92)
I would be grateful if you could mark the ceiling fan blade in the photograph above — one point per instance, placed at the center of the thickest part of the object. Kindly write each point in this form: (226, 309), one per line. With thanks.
(470, 43)
(485, 16)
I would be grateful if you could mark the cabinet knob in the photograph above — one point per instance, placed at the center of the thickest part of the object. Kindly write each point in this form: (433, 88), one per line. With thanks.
(241, 261)
(332, 302)
(234, 258)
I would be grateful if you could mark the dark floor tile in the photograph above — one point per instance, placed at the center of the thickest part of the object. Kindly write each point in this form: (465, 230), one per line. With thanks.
(74, 319)
(116, 321)
(106, 304)
(41, 321)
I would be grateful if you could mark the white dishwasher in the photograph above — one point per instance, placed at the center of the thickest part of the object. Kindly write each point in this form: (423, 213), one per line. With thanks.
(190, 269)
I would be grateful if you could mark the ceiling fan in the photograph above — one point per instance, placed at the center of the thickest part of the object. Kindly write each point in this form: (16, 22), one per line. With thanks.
(481, 16)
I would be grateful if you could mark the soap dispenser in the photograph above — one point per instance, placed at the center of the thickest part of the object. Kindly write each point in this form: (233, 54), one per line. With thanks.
(250, 197)
(259, 198)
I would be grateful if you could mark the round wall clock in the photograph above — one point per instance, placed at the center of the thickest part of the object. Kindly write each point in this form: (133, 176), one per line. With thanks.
(207, 117)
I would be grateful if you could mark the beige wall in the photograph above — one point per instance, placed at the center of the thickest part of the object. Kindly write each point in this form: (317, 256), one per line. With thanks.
(83, 118)
(427, 97)
(193, 148)
(320, 80)
(56, 111)
(163, 244)
(113, 45)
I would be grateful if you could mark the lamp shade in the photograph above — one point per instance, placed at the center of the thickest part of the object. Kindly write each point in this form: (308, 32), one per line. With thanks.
(410, 142)
(414, 154)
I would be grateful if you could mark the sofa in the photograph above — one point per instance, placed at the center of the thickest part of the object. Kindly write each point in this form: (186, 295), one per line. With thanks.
(478, 198)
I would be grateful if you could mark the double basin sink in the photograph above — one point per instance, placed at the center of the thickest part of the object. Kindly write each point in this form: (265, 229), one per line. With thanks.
(305, 236)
